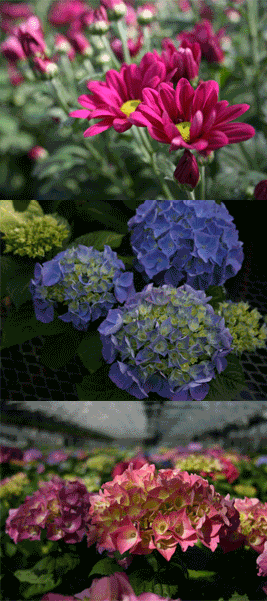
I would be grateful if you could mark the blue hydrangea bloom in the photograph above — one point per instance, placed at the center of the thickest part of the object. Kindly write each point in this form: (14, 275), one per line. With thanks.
(165, 340)
(88, 281)
(184, 241)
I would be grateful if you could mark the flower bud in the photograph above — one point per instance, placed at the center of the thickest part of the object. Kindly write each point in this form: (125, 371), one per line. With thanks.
(81, 44)
(37, 152)
(61, 44)
(97, 21)
(146, 13)
(31, 37)
(45, 66)
(187, 171)
(115, 9)
(12, 49)
(260, 191)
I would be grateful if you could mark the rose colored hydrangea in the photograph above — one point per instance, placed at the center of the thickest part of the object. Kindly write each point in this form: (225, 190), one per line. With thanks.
(140, 511)
(32, 455)
(10, 454)
(193, 119)
(56, 457)
(253, 522)
(123, 465)
(209, 40)
(59, 506)
(119, 96)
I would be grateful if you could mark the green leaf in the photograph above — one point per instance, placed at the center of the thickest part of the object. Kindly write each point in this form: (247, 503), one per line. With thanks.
(110, 216)
(59, 349)
(228, 383)
(90, 351)
(40, 588)
(18, 289)
(10, 218)
(11, 549)
(22, 325)
(98, 385)
(199, 575)
(164, 165)
(99, 239)
(30, 576)
(218, 294)
(106, 567)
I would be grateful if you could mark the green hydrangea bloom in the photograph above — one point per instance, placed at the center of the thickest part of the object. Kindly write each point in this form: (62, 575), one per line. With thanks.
(198, 463)
(13, 485)
(243, 325)
(36, 235)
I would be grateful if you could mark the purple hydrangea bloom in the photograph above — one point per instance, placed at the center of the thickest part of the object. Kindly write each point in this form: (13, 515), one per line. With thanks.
(166, 340)
(184, 241)
(88, 281)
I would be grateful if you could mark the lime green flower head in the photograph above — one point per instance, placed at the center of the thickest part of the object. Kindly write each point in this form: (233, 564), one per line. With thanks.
(243, 326)
(36, 235)
(100, 462)
(245, 490)
(198, 463)
(13, 485)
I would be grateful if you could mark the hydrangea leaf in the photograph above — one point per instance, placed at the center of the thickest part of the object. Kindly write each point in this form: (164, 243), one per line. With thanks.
(229, 383)
(39, 588)
(9, 217)
(218, 294)
(22, 325)
(90, 351)
(106, 567)
(99, 239)
(60, 348)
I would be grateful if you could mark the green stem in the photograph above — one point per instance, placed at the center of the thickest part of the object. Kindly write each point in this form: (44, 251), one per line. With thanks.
(105, 166)
(123, 37)
(68, 72)
(59, 93)
(191, 194)
(116, 62)
(252, 12)
(202, 183)
(143, 141)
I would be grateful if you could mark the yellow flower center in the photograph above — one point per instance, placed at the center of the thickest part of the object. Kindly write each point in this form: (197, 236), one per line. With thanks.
(184, 129)
(129, 107)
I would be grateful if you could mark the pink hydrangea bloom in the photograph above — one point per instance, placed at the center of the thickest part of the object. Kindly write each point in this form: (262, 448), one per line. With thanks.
(192, 119)
(56, 457)
(59, 506)
(253, 522)
(10, 454)
(140, 511)
(120, 95)
(122, 466)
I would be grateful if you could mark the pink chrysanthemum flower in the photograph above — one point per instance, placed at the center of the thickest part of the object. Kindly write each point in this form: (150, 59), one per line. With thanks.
(120, 95)
(209, 40)
(193, 119)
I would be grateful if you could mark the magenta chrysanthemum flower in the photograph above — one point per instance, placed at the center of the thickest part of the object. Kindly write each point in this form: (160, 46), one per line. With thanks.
(209, 40)
(193, 119)
(120, 95)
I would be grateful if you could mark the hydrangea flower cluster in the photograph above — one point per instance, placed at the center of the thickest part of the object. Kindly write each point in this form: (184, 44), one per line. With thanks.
(169, 341)
(183, 239)
(13, 485)
(217, 468)
(59, 506)
(253, 522)
(90, 282)
(92, 482)
(243, 325)
(10, 454)
(36, 236)
(140, 511)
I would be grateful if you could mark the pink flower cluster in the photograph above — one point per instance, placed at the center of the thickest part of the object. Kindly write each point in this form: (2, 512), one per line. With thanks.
(59, 506)
(10, 454)
(253, 522)
(140, 511)
(137, 461)
(112, 588)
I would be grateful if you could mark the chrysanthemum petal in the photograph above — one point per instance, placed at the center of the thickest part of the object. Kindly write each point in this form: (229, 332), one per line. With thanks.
(217, 139)
(196, 125)
(82, 113)
(98, 127)
(121, 125)
(183, 96)
(237, 132)
(232, 112)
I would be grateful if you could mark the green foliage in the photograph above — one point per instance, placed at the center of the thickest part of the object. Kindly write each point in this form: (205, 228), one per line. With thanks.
(90, 351)
(12, 140)
(60, 348)
(22, 325)
(105, 567)
(228, 383)
(218, 294)
(99, 239)
(62, 160)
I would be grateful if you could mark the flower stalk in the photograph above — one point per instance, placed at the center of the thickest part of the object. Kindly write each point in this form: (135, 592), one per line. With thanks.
(252, 18)
(149, 156)
(109, 50)
(202, 183)
(123, 37)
